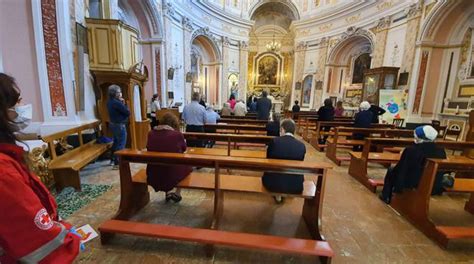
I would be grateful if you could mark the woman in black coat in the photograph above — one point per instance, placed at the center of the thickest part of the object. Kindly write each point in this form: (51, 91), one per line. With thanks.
(325, 113)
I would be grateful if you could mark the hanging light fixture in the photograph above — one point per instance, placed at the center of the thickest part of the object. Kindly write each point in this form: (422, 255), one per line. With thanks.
(273, 46)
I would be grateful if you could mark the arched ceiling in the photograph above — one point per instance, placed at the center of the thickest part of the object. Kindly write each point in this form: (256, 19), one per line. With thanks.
(273, 13)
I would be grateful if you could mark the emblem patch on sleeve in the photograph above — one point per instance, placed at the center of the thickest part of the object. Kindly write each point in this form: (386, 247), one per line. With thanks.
(42, 220)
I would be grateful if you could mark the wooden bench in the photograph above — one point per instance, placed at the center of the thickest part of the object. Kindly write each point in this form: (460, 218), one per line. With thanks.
(242, 121)
(360, 160)
(338, 140)
(238, 140)
(415, 204)
(311, 125)
(65, 168)
(237, 128)
(134, 196)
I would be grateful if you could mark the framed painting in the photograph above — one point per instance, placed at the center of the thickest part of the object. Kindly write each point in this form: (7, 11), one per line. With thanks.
(306, 91)
(267, 70)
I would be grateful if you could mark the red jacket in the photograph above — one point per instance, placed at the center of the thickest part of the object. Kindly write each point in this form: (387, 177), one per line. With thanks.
(29, 227)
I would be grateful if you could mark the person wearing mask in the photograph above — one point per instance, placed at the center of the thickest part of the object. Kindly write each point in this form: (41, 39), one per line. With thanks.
(273, 127)
(240, 108)
(407, 173)
(154, 107)
(325, 113)
(376, 112)
(253, 105)
(232, 101)
(339, 111)
(289, 148)
(30, 228)
(211, 118)
(362, 119)
(118, 116)
(226, 111)
(264, 105)
(194, 115)
(166, 137)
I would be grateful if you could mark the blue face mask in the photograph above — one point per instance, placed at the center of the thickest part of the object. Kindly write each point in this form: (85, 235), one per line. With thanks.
(23, 117)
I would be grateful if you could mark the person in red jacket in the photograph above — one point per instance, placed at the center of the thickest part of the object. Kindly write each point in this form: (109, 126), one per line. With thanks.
(30, 230)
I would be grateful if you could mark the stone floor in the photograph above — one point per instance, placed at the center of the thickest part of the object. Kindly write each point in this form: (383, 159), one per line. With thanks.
(359, 227)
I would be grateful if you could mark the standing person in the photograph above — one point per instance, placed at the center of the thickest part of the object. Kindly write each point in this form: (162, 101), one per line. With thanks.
(325, 113)
(240, 108)
(167, 138)
(253, 105)
(407, 173)
(30, 229)
(376, 112)
(264, 105)
(232, 101)
(194, 115)
(296, 107)
(226, 111)
(118, 115)
(362, 119)
(289, 148)
(339, 111)
(154, 107)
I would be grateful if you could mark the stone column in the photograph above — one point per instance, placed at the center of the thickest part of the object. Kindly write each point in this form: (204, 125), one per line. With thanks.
(243, 69)
(224, 92)
(381, 31)
(187, 37)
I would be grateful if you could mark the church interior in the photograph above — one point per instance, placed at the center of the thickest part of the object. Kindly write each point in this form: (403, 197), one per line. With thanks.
(108, 85)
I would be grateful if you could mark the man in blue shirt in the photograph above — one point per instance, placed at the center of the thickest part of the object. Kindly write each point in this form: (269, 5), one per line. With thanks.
(118, 116)
(211, 118)
(194, 115)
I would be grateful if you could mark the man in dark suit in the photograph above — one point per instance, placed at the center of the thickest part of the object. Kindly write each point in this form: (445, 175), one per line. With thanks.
(264, 105)
(289, 148)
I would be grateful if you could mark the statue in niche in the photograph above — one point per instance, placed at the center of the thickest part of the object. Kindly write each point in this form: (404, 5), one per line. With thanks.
(361, 64)
(267, 70)
(307, 84)
(234, 84)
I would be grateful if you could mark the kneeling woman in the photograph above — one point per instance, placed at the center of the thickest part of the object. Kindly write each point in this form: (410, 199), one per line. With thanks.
(167, 138)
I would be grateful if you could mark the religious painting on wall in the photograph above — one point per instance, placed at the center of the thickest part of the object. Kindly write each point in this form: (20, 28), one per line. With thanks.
(306, 92)
(361, 64)
(267, 70)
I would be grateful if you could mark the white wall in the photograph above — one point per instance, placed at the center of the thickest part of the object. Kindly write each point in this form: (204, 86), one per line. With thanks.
(394, 46)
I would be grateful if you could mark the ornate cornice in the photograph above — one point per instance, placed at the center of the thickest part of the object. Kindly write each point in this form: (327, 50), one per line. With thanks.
(413, 11)
(383, 23)
(187, 23)
(244, 45)
(225, 41)
(169, 10)
(301, 46)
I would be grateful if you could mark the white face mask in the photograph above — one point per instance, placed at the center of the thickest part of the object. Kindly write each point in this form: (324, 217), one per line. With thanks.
(23, 118)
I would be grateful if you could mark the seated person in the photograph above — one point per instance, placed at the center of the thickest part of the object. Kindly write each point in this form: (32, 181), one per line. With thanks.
(376, 112)
(273, 127)
(289, 148)
(339, 111)
(407, 173)
(211, 118)
(362, 119)
(326, 113)
(226, 111)
(240, 109)
(166, 138)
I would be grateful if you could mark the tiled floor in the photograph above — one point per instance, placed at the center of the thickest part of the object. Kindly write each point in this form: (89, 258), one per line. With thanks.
(359, 227)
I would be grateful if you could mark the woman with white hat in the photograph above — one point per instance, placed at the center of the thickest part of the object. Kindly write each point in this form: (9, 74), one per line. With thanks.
(407, 173)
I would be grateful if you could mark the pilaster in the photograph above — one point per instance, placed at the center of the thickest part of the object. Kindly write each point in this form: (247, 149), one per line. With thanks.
(243, 69)
(381, 32)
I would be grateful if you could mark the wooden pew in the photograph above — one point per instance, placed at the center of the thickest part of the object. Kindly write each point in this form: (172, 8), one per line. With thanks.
(238, 128)
(242, 121)
(65, 168)
(360, 160)
(134, 196)
(415, 204)
(233, 141)
(338, 139)
(312, 123)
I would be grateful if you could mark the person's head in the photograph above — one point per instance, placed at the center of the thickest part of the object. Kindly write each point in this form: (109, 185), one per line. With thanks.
(264, 94)
(255, 99)
(296, 102)
(154, 98)
(115, 92)
(425, 134)
(232, 97)
(339, 104)
(364, 106)
(195, 96)
(210, 108)
(287, 126)
(171, 120)
(276, 117)
(328, 102)
(226, 105)
(9, 97)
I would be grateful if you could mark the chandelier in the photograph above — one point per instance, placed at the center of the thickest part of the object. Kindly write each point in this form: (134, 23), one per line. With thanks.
(273, 45)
